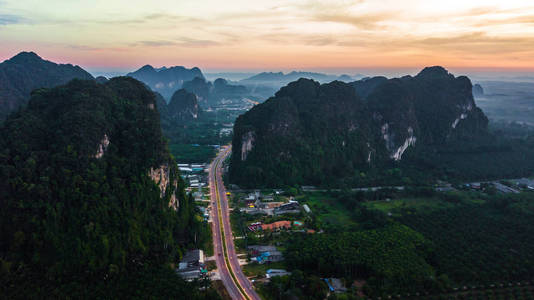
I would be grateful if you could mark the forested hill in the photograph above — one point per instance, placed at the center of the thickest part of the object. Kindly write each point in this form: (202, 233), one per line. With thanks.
(183, 108)
(27, 71)
(92, 205)
(310, 133)
(164, 80)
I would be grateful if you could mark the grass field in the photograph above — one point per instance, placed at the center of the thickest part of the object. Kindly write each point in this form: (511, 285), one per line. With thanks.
(327, 208)
(420, 204)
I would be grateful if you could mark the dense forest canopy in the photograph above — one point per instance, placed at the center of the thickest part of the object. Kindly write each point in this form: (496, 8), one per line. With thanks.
(417, 240)
(356, 134)
(80, 214)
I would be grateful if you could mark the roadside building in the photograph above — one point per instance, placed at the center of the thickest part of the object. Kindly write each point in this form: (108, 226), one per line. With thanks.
(276, 272)
(256, 211)
(265, 254)
(250, 200)
(267, 198)
(292, 207)
(276, 225)
(268, 257)
(257, 249)
(192, 265)
(504, 189)
(525, 183)
(270, 204)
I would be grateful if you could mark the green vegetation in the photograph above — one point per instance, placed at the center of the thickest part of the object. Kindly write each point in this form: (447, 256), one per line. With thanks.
(297, 285)
(192, 140)
(258, 270)
(416, 241)
(392, 258)
(397, 207)
(350, 135)
(328, 209)
(481, 244)
(81, 217)
(187, 153)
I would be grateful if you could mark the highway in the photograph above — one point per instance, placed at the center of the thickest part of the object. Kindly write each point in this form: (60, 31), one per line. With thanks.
(236, 283)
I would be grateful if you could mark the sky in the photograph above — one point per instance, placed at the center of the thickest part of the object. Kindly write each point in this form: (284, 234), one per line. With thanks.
(249, 35)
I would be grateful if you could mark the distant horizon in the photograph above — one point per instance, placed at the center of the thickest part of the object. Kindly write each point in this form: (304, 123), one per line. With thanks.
(274, 35)
(492, 73)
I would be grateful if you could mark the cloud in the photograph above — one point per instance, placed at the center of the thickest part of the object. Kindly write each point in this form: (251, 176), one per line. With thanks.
(156, 43)
(193, 43)
(298, 39)
(367, 21)
(83, 48)
(475, 44)
(479, 43)
(525, 19)
(318, 40)
(328, 6)
(481, 10)
(180, 42)
(10, 19)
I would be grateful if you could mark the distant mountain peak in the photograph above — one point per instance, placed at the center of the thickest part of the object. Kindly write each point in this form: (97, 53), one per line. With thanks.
(220, 81)
(434, 72)
(25, 57)
(27, 71)
(165, 80)
(146, 68)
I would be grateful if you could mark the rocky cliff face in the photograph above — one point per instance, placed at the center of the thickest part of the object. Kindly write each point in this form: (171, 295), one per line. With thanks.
(102, 146)
(25, 72)
(162, 177)
(310, 131)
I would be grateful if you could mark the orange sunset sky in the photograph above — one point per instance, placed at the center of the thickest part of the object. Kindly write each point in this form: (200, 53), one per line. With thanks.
(251, 35)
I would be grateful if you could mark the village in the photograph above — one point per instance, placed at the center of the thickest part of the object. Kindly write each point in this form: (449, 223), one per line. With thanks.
(262, 221)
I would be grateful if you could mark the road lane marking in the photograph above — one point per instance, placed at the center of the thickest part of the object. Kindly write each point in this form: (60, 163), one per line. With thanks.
(221, 229)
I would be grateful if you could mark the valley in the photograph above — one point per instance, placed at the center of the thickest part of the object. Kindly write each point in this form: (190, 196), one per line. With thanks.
(374, 188)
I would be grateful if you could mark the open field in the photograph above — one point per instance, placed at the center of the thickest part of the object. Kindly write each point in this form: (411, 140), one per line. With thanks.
(418, 205)
(327, 208)
(395, 206)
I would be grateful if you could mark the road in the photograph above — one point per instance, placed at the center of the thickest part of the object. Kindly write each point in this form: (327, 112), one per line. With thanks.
(236, 283)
